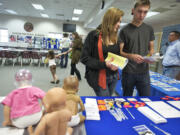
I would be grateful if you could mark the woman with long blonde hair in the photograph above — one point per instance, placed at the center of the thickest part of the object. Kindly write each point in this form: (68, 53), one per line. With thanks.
(102, 75)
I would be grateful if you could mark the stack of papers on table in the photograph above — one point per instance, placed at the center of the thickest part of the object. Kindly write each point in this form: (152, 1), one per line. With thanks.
(152, 115)
(175, 103)
(164, 109)
(91, 108)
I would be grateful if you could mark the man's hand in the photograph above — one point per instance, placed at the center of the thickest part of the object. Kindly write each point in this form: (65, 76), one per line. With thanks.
(149, 62)
(137, 58)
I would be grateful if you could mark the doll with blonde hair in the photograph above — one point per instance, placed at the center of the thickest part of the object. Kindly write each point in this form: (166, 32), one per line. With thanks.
(71, 86)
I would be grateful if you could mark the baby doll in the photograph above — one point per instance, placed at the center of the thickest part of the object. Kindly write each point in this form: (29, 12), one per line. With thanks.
(54, 122)
(21, 106)
(70, 85)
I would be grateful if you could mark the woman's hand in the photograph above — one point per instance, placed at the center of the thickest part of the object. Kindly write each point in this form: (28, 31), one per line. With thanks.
(110, 65)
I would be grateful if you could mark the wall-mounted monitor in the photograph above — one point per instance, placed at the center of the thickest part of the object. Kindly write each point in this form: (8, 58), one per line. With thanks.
(69, 27)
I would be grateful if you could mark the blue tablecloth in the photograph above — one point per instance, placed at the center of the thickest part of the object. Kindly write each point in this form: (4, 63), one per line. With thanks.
(159, 91)
(155, 90)
(109, 126)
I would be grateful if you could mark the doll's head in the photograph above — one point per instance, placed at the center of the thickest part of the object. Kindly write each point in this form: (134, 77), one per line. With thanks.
(71, 83)
(54, 100)
(23, 78)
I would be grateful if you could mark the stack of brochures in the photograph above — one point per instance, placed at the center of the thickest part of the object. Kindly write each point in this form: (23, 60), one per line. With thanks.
(152, 115)
(117, 60)
(91, 108)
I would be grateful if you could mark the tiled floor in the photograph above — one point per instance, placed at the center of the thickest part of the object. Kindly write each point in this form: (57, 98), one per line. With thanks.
(41, 78)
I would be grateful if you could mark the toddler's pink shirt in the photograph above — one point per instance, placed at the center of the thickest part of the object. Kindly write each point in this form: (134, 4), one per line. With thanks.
(24, 101)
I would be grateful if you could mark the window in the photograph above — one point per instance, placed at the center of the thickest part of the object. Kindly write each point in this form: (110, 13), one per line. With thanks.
(3, 35)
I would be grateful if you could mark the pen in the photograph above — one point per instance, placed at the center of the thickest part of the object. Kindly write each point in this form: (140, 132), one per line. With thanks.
(166, 133)
(130, 113)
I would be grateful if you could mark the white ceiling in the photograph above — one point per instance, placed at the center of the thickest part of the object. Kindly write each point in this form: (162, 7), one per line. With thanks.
(92, 12)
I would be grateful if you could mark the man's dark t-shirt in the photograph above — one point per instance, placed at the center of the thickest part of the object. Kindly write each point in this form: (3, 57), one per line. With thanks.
(136, 41)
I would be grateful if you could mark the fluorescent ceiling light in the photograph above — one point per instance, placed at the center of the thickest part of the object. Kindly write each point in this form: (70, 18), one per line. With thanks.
(11, 11)
(38, 6)
(151, 13)
(78, 11)
(45, 15)
(75, 18)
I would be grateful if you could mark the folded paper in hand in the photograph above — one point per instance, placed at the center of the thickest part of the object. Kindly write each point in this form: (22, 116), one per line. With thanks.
(118, 61)
(153, 58)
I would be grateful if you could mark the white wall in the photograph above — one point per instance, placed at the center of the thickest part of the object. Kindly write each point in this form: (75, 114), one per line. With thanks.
(159, 27)
(41, 25)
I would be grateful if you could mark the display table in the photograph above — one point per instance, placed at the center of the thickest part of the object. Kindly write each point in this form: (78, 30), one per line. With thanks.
(171, 87)
(160, 85)
(108, 125)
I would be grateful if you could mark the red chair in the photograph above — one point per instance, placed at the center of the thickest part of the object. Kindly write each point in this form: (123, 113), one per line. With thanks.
(10, 55)
(2, 56)
(36, 56)
(27, 56)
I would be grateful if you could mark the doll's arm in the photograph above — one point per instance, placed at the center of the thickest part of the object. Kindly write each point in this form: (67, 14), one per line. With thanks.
(40, 130)
(30, 130)
(81, 105)
(7, 120)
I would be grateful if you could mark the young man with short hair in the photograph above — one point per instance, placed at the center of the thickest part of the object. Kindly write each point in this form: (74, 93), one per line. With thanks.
(137, 40)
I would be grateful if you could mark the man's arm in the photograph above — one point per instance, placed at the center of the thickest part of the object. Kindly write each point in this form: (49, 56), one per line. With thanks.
(151, 48)
(135, 57)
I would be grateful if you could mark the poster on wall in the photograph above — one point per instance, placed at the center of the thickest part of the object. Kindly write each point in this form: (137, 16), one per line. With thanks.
(38, 42)
(12, 38)
(52, 43)
(20, 38)
(28, 39)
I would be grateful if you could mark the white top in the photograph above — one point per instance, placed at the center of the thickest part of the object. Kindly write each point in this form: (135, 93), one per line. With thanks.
(52, 62)
(65, 43)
